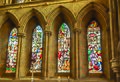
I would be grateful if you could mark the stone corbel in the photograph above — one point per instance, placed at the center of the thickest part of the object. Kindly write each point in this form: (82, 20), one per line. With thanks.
(48, 32)
(77, 30)
(21, 35)
(116, 68)
(116, 61)
(115, 64)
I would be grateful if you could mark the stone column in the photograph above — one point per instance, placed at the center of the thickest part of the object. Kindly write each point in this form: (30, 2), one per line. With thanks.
(118, 69)
(115, 62)
(118, 76)
(76, 38)
(112, 24)
(20, 36)
(46, 52)
(118, 2)
(7, 2)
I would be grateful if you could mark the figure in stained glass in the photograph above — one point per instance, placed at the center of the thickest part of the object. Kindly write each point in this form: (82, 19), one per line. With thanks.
(12, 52)
(94, 48)
(37, 50)
(64, 49)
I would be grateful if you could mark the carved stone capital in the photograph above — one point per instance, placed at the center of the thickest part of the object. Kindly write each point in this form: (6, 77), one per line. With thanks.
(48, 32)
(115, 64)
(77, 30)
(21, 35)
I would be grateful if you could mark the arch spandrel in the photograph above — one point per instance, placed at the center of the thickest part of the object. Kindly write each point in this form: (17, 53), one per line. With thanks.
(12, 17)
(61, 10)
(96, 9)
(34, 12)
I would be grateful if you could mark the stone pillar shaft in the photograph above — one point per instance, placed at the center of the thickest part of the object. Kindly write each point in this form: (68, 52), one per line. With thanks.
(118, 2)
(118, 77)
(20, 35)
(47, 36)
(112, 24)
(7, 1)
(76, 33)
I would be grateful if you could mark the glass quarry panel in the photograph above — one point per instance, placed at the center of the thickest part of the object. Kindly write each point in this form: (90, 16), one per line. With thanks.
(12, 52)
(37, 49)
(64, 49)
(94, 48)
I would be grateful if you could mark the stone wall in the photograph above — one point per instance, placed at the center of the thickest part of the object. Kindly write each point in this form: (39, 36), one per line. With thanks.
(76, 14)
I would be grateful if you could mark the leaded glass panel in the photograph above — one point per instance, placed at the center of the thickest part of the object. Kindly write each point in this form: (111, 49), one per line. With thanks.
(37, 49)
(94, 48)
(12, 52)
(64, 49)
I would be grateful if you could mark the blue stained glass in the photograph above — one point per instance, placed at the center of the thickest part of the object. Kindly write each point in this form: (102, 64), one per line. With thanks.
(37, 50)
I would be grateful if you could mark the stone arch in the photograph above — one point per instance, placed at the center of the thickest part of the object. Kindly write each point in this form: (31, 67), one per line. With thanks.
(61, 10)
(88, 13)
(58, 16)
(93, 7)
(12, 17)
(29, 21)
(10, 22)
(34, 12)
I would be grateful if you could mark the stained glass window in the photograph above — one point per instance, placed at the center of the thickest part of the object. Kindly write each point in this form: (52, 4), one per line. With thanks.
(94, 48)
(37, 49)
(12, 52)
(64, 49)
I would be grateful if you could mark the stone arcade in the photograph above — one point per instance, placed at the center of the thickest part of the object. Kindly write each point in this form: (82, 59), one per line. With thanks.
(60, 40)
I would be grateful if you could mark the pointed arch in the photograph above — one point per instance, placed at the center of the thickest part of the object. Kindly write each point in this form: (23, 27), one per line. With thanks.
(12, 17)
(95, 10)
(12, 52)
(64, 49)
(33, 13)
(68, 15)
(31, 22)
